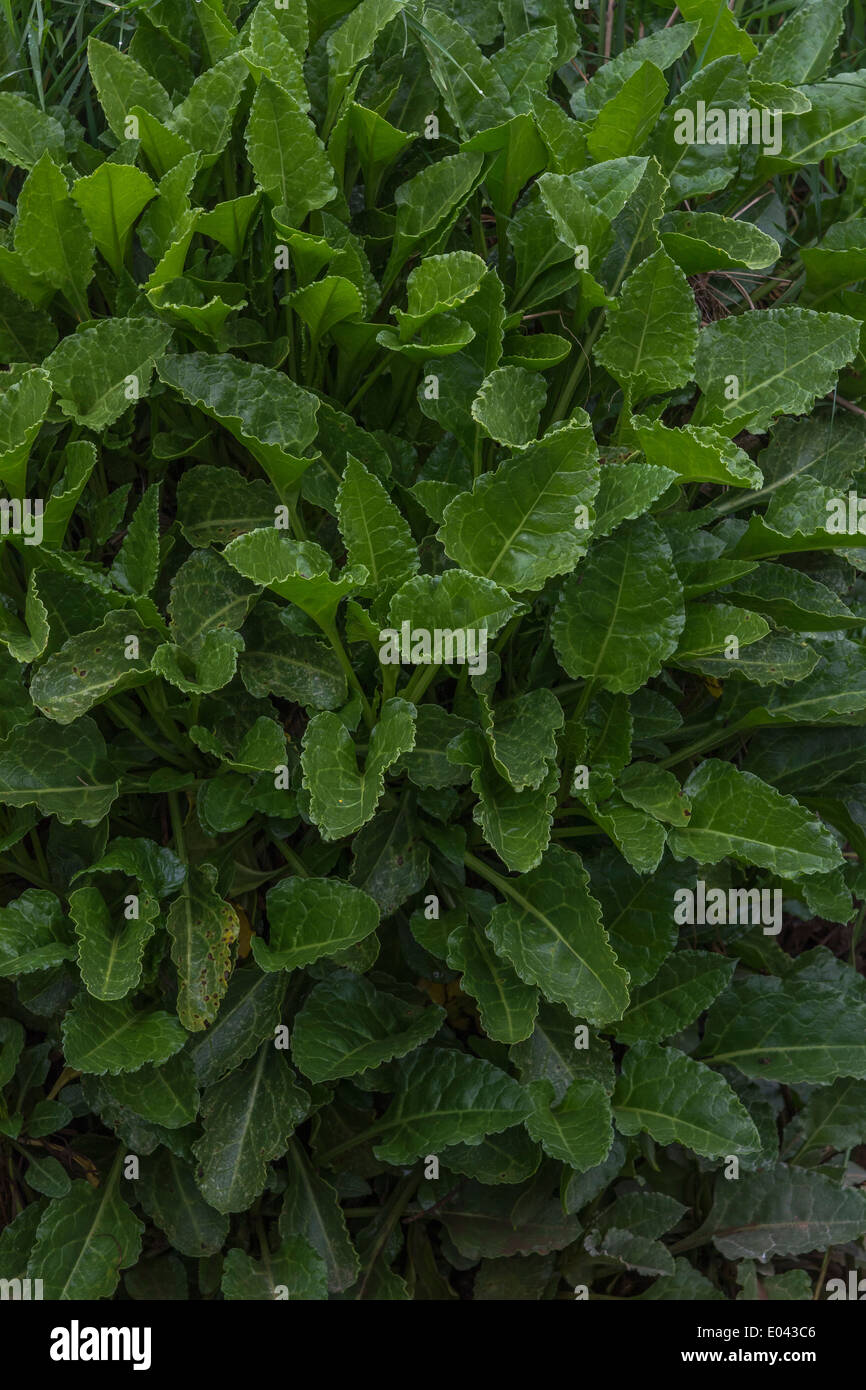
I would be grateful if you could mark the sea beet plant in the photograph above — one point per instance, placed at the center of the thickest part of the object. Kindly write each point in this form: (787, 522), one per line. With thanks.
(432, 777)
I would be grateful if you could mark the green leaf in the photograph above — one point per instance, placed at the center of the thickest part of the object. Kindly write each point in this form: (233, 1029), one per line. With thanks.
(680, 1101)
(437, 285)
(51, 235)
(34, 935)
(23, 407)
(835, 122)
(347, 1026)
(311, 1209)
(575, 1129)
(621, 616)
(531, 518)
(695, 455)
(780, 361)
(516, 824)
(84, 1240)
(288, 158)
(265, 411)
(687, 983)
(204, 117)
(137, 562)
(375, 534)
(506, 1005)
(110, 950)
(93, 666)
(702, 241)
(203, 930)
(508, 405)
(784, 1211)
(164, 1095)
(276, 661)
(833, 1117)
(112, 198)
(652, 789)
(216, 504)
(26, 133)
(248, 1016)
(296, 570)
(294, 1271)
(64, 771)
(693, 167)
(248, 1119)
(428, 204)
(168, 1193)
(736, 814)
(800, 50)
(229, 222)
(311, 918)
(625, 121)
(521, 734)
(649, 345)
(560, 1051)
(112, 1037)
(343, 798)
(122, 83)
(787, 1030)
(210, 669)
(719, 33)
(207, 595)
(709, 628)
(446, 1097)
(550, 929)
(100, 371)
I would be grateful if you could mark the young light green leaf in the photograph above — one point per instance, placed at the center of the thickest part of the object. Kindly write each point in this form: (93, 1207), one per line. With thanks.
(343, 798)
(51, 235)
(376, 536)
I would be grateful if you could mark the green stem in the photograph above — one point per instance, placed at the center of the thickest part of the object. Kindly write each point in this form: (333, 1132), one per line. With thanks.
(367, 383)
(39, 854)
(703, 744)
(563, 405)
(479, 867)
(397, 1204)
(10, 866)
(290, 856)
(333, 637)
(176, 817)
(418, 683)
(120, 716)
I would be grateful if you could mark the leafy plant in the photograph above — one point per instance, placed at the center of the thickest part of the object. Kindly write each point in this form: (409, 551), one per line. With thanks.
(431, 765)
